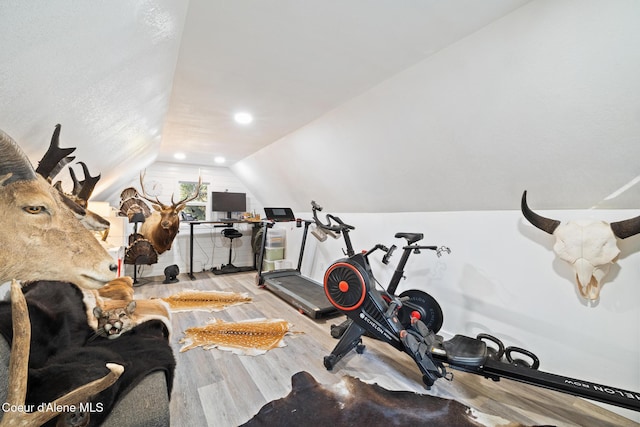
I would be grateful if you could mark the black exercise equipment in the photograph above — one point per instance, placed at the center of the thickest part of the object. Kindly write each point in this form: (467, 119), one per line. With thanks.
(350, 286)
(301, 292)
(341, 276)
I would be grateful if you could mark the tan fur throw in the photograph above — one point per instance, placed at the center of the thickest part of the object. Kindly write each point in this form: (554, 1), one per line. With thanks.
(120, 288)
(112, 309)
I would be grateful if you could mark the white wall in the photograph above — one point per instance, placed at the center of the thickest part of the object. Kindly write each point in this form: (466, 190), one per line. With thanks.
(503, 278)
(562, 73)
(551, 80)
(521, 104)
(210, 248)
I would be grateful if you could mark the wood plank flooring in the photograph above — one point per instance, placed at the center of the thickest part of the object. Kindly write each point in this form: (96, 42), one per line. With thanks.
(218, 388)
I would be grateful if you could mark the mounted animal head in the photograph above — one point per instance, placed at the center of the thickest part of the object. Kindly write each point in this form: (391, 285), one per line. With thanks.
(115, 321)
(50, 166)
(162, 226)
(41, 237)
(590, 246)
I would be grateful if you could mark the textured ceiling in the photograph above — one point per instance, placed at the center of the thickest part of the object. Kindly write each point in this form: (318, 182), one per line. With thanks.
(104, 70)
(289, 62)
(134, 82)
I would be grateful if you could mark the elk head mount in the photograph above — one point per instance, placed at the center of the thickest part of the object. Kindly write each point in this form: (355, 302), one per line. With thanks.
(589, 246)
(162, 226)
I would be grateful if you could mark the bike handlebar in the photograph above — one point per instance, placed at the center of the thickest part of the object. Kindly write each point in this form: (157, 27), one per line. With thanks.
(387, 256)
(339, 227)
(439, 250)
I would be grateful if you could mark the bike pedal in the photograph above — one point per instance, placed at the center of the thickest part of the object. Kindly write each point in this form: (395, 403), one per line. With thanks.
(428, 336)
(410, 342)
(420, 327)
(415, 344)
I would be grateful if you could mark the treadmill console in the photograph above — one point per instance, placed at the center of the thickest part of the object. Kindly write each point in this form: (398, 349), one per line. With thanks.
(279, 214)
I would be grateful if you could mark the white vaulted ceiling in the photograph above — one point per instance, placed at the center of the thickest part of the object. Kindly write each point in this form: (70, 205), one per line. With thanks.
(134, 82)
(289, 62)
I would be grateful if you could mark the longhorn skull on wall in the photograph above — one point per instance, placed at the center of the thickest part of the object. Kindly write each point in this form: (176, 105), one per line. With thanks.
(590, 246)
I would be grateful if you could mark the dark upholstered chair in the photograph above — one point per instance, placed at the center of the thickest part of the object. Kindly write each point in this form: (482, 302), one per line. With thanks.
(146, 405)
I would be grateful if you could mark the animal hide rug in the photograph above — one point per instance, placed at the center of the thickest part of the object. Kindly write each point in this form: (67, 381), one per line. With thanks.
(65, 353)
(353, 403)
(250, 337)
(193, 300)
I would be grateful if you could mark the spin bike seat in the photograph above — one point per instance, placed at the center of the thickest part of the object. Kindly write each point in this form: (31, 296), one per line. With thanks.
(411, 237)
(466, 351)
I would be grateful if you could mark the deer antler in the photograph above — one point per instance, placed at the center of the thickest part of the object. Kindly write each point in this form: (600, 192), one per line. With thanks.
(19, 370)
(144, 194)
(19, 361)
(174, 205)
(187, 199)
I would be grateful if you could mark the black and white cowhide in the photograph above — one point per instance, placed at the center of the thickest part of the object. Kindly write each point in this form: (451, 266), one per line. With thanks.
(354, 403)
(65, 353)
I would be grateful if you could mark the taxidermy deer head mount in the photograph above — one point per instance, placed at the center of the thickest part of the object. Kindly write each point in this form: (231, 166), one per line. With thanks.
(162, 226)
(590, 246)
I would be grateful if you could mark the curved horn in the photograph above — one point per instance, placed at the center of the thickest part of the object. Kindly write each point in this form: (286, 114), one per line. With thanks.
(14, 162)
(626, 228)
(545, 224)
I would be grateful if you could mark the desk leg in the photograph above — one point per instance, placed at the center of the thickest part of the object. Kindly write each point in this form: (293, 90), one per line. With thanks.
(191, 251)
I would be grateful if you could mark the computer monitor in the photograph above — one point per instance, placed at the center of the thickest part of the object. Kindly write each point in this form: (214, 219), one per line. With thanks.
(225, 201)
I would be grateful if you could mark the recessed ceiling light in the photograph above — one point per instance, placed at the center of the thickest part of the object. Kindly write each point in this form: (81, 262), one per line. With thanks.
(219, 160)
(243, 118)
(180, 156)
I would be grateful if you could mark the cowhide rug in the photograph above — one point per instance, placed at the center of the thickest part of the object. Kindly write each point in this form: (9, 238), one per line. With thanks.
(354, 403)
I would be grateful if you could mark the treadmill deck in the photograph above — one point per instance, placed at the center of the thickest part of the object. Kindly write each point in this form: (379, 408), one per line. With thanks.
(305, 294)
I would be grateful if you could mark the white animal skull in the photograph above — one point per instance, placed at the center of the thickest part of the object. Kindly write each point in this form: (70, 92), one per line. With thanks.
(590, 246)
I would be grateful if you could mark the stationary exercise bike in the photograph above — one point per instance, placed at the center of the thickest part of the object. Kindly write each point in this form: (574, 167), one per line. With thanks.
(416, 303)
(403, 322)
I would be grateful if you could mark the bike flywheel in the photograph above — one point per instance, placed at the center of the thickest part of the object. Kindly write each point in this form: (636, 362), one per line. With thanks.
(345, 286)
(429, 311)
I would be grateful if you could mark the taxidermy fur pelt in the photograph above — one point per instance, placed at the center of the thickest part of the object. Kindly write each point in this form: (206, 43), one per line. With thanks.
(63, 357)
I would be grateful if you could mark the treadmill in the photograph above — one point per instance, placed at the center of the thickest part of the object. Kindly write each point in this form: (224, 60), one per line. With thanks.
(303, 293)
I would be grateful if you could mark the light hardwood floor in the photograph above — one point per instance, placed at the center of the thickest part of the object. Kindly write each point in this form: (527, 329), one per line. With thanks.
(218, 388)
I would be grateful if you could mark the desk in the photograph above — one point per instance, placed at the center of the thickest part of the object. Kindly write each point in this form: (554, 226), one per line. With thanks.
(220, 223)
